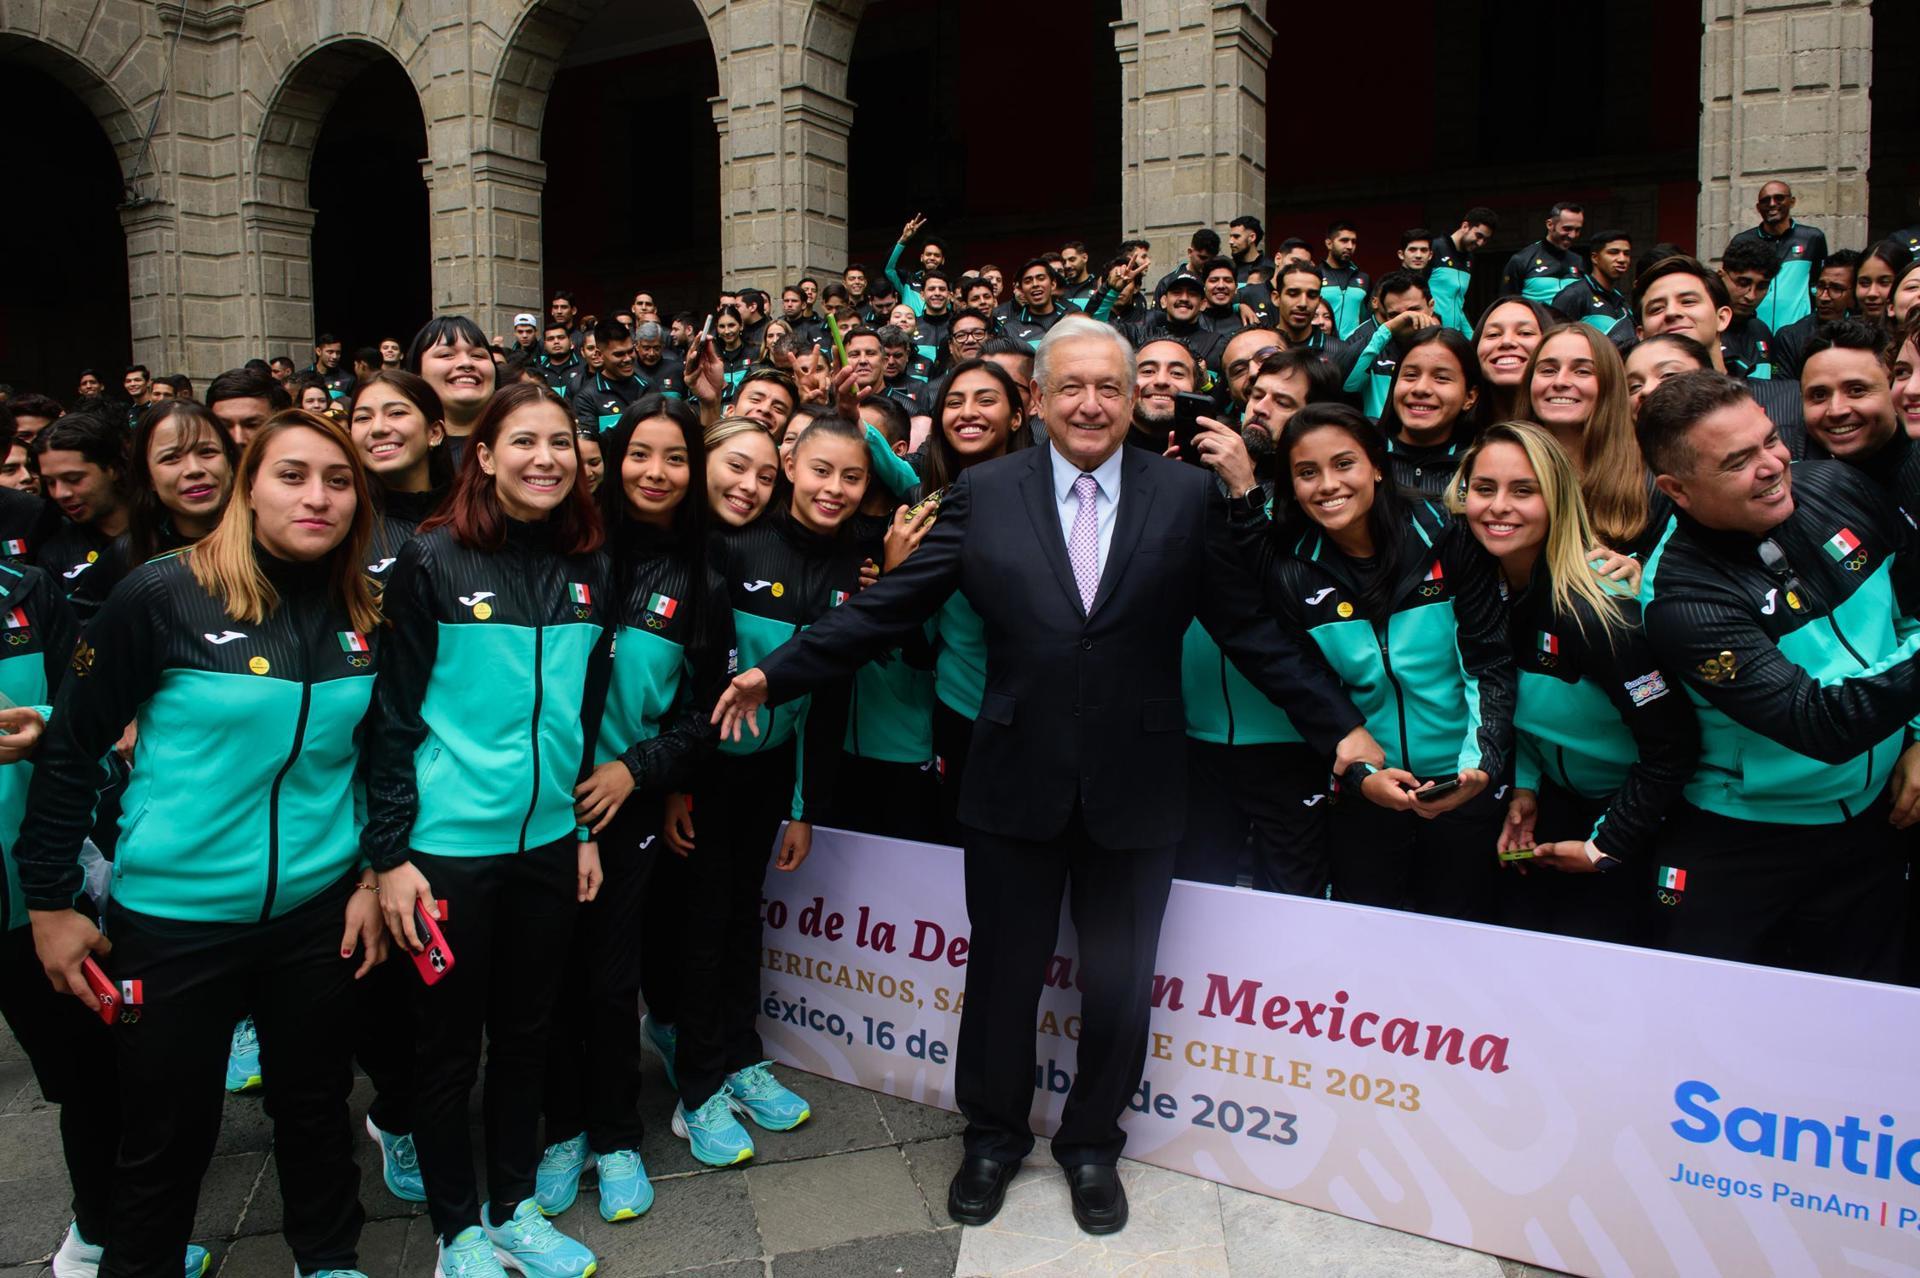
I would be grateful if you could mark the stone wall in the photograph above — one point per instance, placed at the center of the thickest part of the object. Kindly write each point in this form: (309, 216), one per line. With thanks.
(1783, 91)
(219, 224)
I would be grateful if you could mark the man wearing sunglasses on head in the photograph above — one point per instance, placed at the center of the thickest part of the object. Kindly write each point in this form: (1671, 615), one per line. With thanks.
(1783, 609)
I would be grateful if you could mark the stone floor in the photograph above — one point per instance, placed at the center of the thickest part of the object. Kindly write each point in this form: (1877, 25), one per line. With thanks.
(859, 1190)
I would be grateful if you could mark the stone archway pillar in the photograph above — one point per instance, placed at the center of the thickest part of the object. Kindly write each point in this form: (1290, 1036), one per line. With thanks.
(1193, 75)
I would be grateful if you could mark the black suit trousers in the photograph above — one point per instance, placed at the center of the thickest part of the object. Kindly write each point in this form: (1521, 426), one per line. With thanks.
(1116, 899)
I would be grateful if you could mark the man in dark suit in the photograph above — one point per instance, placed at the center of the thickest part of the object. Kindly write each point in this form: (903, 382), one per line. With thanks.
(1087, 561)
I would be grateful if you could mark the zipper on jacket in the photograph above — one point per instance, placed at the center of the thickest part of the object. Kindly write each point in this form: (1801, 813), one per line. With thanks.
(1841, 636)
(273, 795)
(1226, 696)
(1560, 758)
(1399, 696)
(539, 691)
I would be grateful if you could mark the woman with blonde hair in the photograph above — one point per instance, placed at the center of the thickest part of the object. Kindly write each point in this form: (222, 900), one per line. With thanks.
(246, 662)
(1603, 744)
(1576, 387)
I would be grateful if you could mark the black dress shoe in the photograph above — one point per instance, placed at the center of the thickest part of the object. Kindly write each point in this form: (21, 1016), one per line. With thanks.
(1099, 1203)
(978, 1189)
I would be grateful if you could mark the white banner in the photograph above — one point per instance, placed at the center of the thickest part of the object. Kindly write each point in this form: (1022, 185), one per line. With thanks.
(1587, 1107)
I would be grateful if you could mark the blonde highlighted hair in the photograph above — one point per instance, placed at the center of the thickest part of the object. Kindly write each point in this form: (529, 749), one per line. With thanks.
(225, 563)
(1570, 532)
(1612, 474)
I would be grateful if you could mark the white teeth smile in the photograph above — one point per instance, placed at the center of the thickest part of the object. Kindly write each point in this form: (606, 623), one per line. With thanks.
(1561, 399)
(542, 481)
(740, 504)
(384, 450)
(1332, 504)
(1501, 529)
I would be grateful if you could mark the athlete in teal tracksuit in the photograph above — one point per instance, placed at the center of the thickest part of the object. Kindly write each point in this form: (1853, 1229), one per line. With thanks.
(486, 718)
(1428, 667)
(1799, 651)
(236, 861)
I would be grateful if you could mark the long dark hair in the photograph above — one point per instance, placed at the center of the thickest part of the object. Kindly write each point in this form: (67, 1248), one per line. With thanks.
(1388, 518)
(147, 517)
(472, 510)
(941, 465)
(691, 519)
(1462, 350)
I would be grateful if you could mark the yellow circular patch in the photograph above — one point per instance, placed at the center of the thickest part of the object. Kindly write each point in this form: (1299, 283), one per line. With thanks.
(1793, 601)
(1345, 609)
(259, 665)
(778, 590)
(483, 610)
(93, 556)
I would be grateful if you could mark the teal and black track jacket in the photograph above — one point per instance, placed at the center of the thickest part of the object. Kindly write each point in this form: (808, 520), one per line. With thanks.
(490, 695)
(1596, 715)
(669, 660)
(1344, 289)
(1539, 271)
(1805, 677)
(1367, 362)
(39, 631)
(781, 579)
(241, 806)
(1434, 678)
(1588, 301)
(1449, 276)
(1802, 252)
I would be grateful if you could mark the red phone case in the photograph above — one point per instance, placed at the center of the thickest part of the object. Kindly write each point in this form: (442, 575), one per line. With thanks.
(117, 1006)
(435, 961)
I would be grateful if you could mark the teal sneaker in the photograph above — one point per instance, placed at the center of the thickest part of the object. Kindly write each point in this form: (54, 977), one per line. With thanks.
(78, 1258)
(763, 1098)
(399, 1165)
(661, 1040)
(526, 1242)
(243, 1058)
(298, 1272)
(469, 1255)
(625, 1191)
(717, 1137)
(557, 1183)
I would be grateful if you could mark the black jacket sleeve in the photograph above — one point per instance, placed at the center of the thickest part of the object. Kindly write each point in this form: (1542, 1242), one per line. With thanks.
(1486, 652)
(1666, 734)
(880, 617)
(59, 632)
(115, 671)
(1279, 662)
(666, 762)
(593, 699)
(396, 728)
(1708, 636)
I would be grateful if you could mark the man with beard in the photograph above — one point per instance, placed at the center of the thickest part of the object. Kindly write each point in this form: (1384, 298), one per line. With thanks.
(1242, 358)
(1162, 368)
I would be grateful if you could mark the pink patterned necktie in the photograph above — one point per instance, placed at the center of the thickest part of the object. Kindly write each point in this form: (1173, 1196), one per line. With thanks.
(1083, 546)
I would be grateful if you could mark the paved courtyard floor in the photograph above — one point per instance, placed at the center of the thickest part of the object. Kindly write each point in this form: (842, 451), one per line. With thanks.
(859, 1191)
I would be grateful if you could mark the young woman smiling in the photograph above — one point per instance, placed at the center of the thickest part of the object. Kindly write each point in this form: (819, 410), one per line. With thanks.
(1406, 609)
(1873, 283)
(239, 891)
(451, 353)
(1429, 416)
(471, 804)
(1508, 333)
(674, 633)
(398, 428)
(1906, 389)
(1577, 390)
(782, 572)
(1603, 744)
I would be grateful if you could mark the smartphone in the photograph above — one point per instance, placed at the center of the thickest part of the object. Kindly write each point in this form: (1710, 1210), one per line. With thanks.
(436, 960)
(1519, 854)
(704, 330)
(839, 343)
(1188, 409)
(117, 1006)
(1438, 789)
(931, 499)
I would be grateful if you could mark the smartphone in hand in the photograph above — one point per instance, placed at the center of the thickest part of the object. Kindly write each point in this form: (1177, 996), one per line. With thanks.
(1188, 409)
(436, 960)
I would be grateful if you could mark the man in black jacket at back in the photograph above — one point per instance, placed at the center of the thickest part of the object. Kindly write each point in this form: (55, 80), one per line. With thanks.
(1087, 561)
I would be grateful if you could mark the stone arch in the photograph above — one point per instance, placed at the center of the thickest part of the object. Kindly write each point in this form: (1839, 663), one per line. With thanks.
(94, 86)
(278, 214)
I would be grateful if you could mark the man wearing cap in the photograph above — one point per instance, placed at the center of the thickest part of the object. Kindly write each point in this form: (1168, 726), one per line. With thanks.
(1180, 319)
(526, 336)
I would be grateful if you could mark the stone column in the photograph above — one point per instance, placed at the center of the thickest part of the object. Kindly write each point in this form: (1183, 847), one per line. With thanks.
(1783, 90)
(1193, 75)
(784, 120)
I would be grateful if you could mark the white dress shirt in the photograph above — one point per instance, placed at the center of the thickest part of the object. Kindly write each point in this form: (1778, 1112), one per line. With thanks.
(1106, 500)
